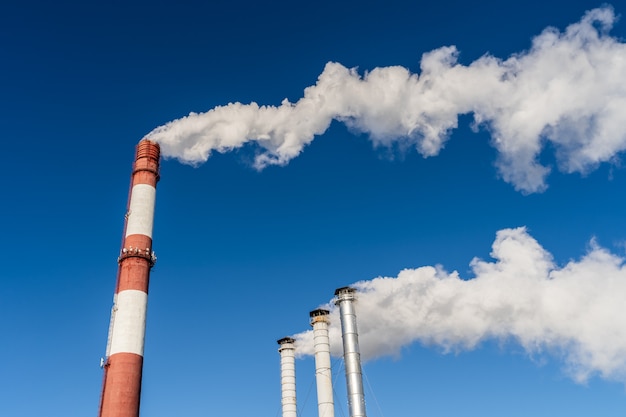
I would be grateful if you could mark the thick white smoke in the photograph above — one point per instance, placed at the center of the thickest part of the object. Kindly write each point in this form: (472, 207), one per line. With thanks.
(574, 312)
(568, 89)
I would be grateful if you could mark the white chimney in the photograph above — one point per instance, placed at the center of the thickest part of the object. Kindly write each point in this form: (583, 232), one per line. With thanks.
(323, 377)
(287, 351)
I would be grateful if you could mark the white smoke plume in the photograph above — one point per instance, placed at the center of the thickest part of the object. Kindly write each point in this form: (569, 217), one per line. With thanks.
(568, 90)
(574, 312)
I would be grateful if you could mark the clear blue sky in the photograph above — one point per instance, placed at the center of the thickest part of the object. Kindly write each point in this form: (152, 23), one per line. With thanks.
(244, 255)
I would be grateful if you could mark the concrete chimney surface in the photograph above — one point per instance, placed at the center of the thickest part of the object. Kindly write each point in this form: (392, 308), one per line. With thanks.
(287, 351)
(323, 374)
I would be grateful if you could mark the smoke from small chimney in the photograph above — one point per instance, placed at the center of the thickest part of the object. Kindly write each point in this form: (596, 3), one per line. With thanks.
(570, 312)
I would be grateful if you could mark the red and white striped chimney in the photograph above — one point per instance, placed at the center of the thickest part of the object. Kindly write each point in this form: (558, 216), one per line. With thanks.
(287, 352)
(121, 390)
(323, 376)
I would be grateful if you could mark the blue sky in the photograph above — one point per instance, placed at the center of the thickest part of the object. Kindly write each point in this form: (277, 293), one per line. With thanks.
(243, 254)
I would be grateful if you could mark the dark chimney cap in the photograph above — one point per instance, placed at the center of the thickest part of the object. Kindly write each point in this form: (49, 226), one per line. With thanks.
(319, 312)
(344, 290)
(286, 340)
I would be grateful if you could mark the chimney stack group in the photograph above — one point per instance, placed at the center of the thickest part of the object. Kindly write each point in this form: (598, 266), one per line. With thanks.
(344, 299)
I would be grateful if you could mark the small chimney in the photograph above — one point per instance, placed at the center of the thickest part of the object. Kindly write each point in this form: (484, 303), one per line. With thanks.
(345, 298)
(287, 351)
(323, 377)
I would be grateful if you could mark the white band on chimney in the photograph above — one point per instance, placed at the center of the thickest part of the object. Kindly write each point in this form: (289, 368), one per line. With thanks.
(129, 322)
(141, 210)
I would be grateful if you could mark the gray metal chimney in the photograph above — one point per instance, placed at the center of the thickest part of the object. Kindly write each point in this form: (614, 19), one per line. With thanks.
(287, 352)
(345, 298)
(323, 377)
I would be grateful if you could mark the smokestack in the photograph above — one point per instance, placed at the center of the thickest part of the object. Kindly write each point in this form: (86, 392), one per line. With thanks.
(123, 364)
(351, 356)
(287, 352)
(323, 377)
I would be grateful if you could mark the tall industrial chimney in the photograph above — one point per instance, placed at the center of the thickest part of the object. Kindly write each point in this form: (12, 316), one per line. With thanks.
(121, 388)
(323, 377)
(287, 352)
(356, 400)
